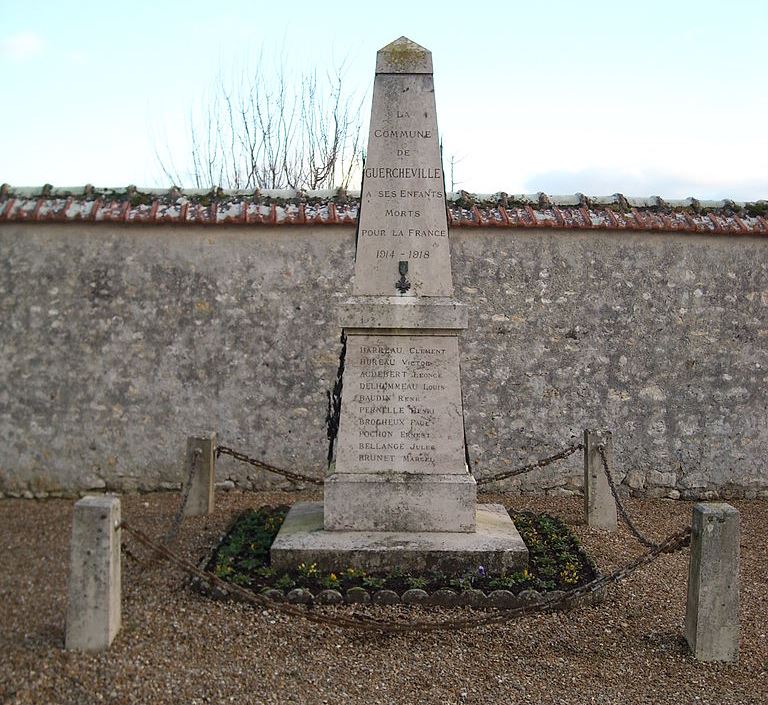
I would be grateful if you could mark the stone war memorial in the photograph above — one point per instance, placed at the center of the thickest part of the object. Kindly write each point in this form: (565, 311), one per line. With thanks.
(399, 492)
(464, 344)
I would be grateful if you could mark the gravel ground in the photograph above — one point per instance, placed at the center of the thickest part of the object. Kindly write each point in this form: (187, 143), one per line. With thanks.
(177, 647)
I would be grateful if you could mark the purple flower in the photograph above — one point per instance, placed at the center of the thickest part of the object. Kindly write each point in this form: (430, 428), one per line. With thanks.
(481, 571)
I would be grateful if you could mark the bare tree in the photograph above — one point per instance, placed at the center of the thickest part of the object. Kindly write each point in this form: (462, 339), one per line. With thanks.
(266, 131)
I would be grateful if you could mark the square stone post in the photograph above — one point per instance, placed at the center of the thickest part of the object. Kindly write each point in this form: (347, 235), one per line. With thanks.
(200, 471)
(712, 613)
(599, 504)
(93, 606)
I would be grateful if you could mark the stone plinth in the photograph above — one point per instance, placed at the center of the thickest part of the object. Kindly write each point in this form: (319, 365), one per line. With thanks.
(401, 314)
(495, 544)
(93, 604)
(599, 504)
(400, 502)
(712, 613)
(400, 461)
(200, 468)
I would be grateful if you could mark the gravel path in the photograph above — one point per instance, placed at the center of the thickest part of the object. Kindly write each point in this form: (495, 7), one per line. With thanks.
(177, 647)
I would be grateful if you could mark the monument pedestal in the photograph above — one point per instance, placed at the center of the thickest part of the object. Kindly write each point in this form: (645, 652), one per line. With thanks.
(400, 495)
(400, 459)
(400, 502)
(495, 544)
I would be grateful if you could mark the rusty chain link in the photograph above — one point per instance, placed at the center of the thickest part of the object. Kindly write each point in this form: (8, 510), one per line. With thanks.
(532, 466)
(173, 529)
(363, 622)
(170, 535)
(644, 540)
(299, 477)
(243, 458)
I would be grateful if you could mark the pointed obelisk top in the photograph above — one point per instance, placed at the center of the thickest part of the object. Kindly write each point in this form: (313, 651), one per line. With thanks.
(403, 56)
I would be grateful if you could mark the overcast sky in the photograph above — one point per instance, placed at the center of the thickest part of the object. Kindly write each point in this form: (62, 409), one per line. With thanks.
(654, 98)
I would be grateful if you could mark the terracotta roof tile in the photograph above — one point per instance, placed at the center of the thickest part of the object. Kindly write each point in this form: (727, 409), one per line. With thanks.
(157, 207)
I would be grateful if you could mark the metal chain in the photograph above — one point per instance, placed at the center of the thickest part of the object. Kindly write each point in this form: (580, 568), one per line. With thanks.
(170, 535)
(532, 466)
(622, 511)
(131, 556)
(243, 458)
(363, 622)
(173, 529)
(299, 477)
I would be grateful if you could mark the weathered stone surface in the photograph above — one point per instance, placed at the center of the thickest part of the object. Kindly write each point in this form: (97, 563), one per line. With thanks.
(401, 438)
(503, 599)
(529, 596)
(200, 470)
(299, 596)
(403, 56)
(496, 545)
(399, 462)
(403, 216)
(358, 595)
(599, 504)
(635, 480)
(560, 492)
(444, 597)
(472, 598)
(402, 313)
(401, 406)
(386, 597)
(158, 318)
(273, 594)
(329, 597)
(554, 595)
(415, 596)
(404, 502)
(712, 614)
(662, 479)
(94, 595)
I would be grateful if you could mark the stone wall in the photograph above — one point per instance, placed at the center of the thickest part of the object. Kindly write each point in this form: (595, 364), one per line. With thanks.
(117, 342)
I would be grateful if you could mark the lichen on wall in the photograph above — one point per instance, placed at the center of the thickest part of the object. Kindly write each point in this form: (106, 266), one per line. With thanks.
(116, 343)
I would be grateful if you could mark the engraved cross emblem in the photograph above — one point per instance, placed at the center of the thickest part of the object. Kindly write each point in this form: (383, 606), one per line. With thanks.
(402, 284)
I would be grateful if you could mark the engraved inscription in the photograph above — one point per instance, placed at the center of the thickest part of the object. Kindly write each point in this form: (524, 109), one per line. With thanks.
(401, 410)
(403, 214)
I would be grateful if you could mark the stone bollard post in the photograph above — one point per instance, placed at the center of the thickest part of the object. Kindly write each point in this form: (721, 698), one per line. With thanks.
(599, 504)
(93, 605)
(712, 612)
(201, 451)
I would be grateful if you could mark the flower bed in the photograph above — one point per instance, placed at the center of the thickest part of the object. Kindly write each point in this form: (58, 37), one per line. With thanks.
(557, 563)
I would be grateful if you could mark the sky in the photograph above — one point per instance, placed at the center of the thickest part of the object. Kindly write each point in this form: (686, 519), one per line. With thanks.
(655, 98)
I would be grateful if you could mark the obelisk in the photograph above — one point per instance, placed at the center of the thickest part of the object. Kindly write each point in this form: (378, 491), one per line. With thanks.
(400, 458)
(398, 492)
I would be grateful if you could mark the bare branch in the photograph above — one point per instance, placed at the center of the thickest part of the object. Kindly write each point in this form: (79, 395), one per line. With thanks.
(268, 130)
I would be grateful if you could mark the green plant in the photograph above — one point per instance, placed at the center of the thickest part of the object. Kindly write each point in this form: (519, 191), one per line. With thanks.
(285, 582)
(331, 582)
(416, 582)
(556, 561)
(307, 570)
(373, 582)
(222, 571)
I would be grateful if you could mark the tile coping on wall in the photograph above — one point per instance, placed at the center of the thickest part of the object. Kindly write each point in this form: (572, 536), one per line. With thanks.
(131, 205)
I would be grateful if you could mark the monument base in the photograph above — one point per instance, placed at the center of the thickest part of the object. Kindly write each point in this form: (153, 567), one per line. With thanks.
(496, 545)
(400, 502)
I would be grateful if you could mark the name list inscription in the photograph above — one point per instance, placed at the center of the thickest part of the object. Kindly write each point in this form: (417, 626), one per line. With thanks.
(402, 412)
